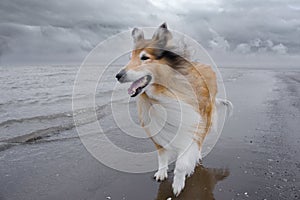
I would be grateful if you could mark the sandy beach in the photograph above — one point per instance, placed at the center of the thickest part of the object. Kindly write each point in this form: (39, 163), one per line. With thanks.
(256, 157)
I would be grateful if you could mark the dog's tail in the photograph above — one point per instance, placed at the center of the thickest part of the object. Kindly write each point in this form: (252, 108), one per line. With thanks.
(227, 103)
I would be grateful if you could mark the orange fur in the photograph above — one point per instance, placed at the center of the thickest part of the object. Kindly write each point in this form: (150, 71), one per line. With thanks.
(201, 77)
(163, 77)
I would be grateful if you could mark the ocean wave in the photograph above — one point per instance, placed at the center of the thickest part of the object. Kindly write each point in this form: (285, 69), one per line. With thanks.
(55, 123)
(40, 117)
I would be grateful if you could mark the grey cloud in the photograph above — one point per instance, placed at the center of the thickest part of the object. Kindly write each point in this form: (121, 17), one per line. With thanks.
(243, 48)
(218, 43)
(57, 29)
(65, 31)
(280, 49)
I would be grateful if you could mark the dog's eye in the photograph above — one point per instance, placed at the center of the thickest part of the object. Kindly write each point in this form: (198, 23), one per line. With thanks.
(144, 57)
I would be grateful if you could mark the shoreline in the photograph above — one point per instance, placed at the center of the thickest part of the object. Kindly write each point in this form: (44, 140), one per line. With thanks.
(256, 157)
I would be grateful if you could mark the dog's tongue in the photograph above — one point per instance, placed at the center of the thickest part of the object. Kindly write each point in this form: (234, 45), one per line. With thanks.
(136, 84)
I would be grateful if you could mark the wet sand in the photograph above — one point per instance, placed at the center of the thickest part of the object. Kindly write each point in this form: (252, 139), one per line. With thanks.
(256, 157)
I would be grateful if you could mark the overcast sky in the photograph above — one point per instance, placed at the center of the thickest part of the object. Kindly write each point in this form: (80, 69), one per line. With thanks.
(64, 31)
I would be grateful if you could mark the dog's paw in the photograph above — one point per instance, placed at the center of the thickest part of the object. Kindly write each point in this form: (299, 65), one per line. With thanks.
(161, 175)
(178, 185)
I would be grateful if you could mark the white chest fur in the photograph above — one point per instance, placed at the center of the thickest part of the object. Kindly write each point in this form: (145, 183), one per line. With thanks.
(171, 123)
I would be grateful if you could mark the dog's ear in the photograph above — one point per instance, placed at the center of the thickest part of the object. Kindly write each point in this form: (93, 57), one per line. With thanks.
(162, 35)
(137, 35)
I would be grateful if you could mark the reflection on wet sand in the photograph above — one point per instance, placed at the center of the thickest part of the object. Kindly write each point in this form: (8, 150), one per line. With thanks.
(199, 186)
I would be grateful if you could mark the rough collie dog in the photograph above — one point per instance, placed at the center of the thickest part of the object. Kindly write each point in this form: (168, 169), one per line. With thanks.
(176, 101)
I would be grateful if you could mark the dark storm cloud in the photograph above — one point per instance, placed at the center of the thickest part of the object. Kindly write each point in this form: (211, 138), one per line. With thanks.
(65, 31)
(61, 30)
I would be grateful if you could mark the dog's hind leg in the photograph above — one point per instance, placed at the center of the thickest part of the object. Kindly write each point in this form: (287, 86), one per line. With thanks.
(185, 165)
(162, 172)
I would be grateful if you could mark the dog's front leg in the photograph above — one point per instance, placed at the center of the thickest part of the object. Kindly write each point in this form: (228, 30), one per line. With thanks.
(185, 165)
(163, 159)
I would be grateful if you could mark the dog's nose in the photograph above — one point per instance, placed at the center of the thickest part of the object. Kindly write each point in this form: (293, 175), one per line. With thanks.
(120, 74)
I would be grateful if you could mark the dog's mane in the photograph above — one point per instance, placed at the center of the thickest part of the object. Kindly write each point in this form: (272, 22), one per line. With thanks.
(177, 55)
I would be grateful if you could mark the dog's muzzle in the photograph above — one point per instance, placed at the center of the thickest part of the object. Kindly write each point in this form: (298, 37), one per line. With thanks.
(120, 75)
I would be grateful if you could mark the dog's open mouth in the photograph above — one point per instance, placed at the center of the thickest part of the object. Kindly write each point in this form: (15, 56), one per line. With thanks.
(138, 85)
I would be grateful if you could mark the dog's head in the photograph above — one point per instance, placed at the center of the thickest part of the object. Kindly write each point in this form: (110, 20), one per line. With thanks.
(147, 55)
